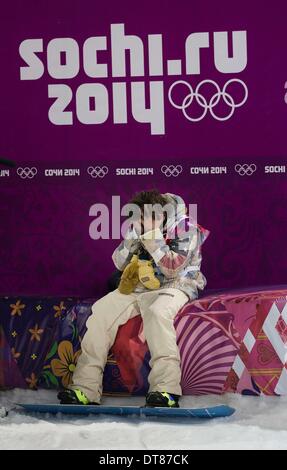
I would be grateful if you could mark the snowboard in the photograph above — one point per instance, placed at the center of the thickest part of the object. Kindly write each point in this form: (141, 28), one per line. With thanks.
(219, 411)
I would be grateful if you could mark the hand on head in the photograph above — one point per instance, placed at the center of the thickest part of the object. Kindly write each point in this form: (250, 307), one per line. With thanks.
(148, 222)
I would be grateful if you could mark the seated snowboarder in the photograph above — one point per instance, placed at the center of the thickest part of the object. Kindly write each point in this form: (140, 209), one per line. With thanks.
(160, 258)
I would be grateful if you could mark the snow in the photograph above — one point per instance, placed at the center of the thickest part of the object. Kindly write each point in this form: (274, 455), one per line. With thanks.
(259, 423)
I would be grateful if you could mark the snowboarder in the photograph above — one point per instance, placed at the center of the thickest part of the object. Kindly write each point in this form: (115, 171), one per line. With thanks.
(160, 260)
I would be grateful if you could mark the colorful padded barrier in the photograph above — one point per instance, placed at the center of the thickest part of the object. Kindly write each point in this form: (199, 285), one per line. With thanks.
(228, 341)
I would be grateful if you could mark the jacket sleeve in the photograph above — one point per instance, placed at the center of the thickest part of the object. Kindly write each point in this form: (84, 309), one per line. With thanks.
(172, 258)
(124, 252)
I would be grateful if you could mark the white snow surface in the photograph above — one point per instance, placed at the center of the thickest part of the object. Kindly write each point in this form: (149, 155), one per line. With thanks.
(259, 423)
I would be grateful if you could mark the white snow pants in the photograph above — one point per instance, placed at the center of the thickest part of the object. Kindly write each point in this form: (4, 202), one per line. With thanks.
(158, 309)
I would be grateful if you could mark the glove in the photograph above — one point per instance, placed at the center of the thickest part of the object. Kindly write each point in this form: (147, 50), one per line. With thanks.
(138, 271)
(130, 277)
(146, 275)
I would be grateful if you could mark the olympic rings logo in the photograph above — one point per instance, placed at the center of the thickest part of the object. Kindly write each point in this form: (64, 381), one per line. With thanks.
(26, 172)
(245, 169)
(171, 170)
(202, 101)
(97, 171)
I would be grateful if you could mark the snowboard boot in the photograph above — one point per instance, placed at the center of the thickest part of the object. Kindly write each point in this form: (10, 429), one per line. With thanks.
(162, 399)
(74, 397)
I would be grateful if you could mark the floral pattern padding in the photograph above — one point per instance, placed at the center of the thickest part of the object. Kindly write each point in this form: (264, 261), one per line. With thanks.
(228, 341)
